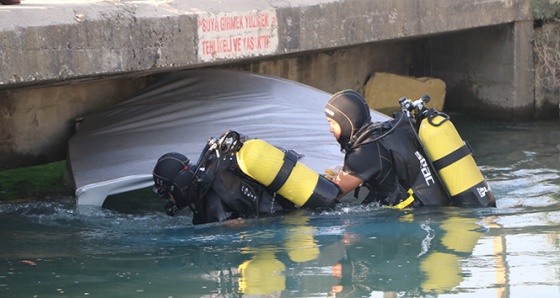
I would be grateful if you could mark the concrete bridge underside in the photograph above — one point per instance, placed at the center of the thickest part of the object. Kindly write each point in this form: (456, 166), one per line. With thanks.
(62, 60)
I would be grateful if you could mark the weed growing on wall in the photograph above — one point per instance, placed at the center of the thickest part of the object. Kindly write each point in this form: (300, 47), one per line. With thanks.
(546, 43)
(545, 10)
(546, 47)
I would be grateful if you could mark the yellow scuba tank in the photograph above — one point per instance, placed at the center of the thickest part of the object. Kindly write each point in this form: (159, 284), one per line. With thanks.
(280, 172)
(453, 161)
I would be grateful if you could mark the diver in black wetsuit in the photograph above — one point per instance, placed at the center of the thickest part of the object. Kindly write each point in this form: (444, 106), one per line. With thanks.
(218, 186)
(347, 112)
(215, 191)
(389, 159)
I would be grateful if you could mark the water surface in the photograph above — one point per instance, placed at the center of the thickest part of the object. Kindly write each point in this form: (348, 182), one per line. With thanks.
(131, 248)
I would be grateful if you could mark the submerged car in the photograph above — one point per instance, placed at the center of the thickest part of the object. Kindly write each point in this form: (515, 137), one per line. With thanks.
(115, 151)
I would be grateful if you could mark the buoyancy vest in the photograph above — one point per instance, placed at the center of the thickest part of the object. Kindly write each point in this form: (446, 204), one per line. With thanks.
(225, 192)
(414, 171)
(431, 160)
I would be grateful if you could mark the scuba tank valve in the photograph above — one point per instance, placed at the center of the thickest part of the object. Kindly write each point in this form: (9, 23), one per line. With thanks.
(418, 106)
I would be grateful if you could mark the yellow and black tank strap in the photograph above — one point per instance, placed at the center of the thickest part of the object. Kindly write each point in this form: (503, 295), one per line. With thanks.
(452, 157)
(290, 160)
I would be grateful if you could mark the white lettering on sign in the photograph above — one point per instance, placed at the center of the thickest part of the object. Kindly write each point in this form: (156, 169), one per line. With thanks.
(237, 35)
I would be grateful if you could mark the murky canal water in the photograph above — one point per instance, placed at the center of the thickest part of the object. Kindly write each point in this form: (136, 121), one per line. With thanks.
(132, 249)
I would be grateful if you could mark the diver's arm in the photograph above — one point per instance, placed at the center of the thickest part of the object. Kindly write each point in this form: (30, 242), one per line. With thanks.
(347, 182)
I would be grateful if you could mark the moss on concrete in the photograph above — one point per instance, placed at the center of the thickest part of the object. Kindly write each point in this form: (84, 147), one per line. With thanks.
(34, 183)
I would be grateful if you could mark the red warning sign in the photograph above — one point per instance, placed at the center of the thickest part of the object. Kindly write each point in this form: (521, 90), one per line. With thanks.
(236, 35)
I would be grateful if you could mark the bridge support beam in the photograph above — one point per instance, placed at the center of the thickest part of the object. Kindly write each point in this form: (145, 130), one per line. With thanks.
(488, 71)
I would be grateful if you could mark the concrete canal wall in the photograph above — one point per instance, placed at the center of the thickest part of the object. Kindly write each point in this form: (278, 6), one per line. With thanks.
(61, 60)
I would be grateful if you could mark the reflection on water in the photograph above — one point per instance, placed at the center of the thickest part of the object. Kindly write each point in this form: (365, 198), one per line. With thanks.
(131, 248)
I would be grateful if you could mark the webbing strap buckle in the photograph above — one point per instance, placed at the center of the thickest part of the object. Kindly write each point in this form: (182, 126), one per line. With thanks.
(406, 202)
